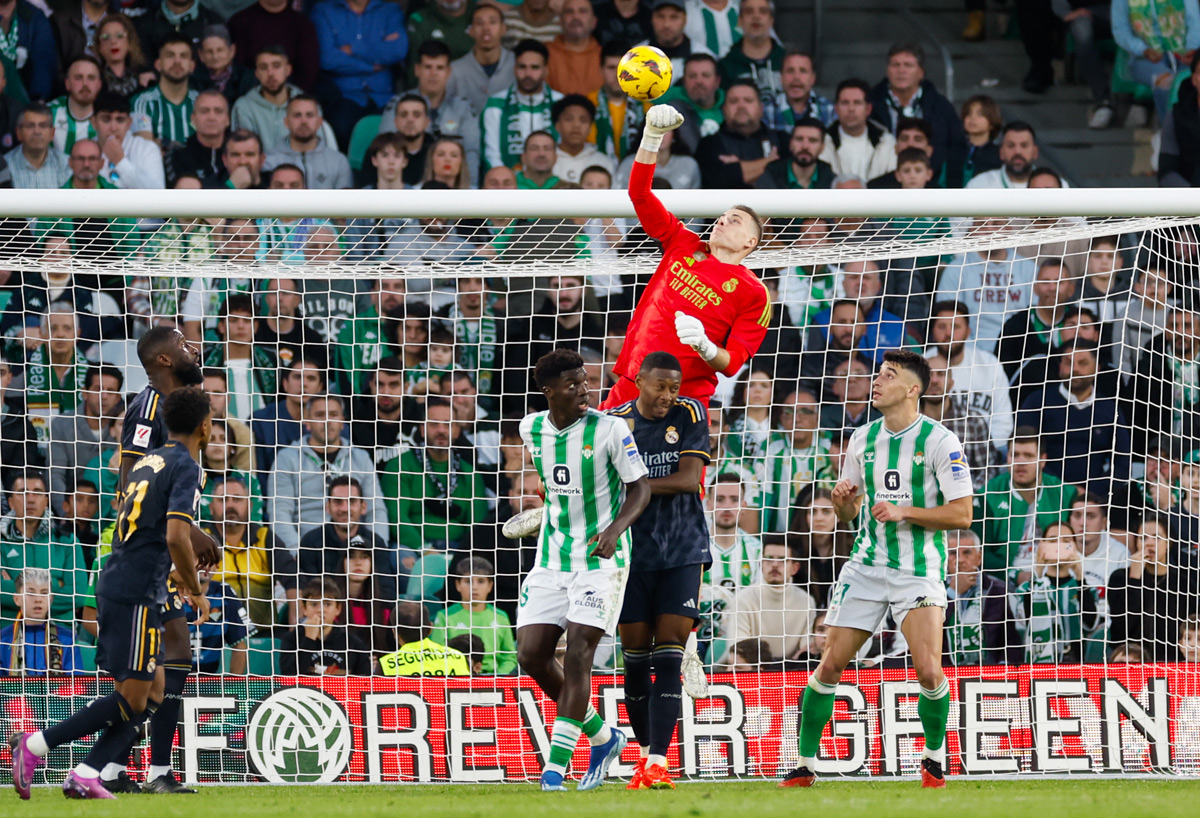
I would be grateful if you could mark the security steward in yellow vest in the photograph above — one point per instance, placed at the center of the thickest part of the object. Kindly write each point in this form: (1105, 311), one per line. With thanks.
(419, 655)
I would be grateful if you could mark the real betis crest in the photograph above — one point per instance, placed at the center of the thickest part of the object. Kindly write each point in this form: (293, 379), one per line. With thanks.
(587, 452)
(919, 459)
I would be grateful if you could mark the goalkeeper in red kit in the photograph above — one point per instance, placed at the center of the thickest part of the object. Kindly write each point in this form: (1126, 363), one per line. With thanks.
(702, 305)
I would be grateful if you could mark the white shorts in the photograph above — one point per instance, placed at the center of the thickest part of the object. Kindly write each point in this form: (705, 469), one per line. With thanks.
(864, 593)
(550, 597)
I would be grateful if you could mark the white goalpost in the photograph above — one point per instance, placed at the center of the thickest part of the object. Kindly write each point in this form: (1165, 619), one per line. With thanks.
(1064, 331)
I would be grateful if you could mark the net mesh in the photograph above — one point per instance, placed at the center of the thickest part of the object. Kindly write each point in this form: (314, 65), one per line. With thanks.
(1065, 358)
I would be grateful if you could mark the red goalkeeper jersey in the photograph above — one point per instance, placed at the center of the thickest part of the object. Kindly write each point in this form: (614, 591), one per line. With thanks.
(728, 299)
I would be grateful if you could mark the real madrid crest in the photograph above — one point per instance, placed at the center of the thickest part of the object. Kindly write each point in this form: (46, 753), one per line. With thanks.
(672, 435)
(730, 285)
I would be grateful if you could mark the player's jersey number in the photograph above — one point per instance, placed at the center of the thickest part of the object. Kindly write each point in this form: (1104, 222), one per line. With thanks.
(131, 509)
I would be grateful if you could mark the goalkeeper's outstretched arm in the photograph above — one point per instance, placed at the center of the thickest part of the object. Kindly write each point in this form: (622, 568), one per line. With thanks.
(656, 220)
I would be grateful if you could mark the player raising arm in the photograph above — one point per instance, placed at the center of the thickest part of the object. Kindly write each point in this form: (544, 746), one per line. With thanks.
(701, 305)
(154, 524)
(907, 471)
(595, 488)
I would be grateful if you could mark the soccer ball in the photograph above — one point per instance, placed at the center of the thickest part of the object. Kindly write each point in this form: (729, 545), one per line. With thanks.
(644, 73)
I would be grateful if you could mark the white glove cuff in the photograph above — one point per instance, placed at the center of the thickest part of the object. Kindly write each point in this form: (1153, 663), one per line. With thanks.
(651, 141)
(707, 350)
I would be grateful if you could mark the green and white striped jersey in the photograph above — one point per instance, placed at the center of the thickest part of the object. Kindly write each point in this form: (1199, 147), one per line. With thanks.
(805, 293)
(67, 129)
(585, 468)
(737, 567)
(713, 31)
(167, 121)
(724, 464)
(920, 467)
(784, 471)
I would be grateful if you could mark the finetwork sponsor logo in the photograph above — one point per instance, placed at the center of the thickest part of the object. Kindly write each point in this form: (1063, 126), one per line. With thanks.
(299, 734)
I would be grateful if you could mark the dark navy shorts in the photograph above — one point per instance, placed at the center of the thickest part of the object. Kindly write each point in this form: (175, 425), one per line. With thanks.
(651, 594)
(129, 644)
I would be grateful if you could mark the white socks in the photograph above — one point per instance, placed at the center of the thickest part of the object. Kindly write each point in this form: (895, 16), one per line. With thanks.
(37, 744)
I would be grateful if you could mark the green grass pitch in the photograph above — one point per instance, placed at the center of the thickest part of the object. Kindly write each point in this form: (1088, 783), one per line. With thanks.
(836, 799)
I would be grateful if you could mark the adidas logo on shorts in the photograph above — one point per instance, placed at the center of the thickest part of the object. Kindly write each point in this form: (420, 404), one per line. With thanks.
(691, 603)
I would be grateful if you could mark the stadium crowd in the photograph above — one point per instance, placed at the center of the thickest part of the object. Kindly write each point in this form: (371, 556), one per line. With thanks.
(365, 449)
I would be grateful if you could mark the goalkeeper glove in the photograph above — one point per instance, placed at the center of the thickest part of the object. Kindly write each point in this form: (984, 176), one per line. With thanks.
(691, 332)
(659, 120)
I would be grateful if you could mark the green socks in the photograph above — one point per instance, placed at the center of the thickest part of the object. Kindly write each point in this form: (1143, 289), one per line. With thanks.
(594, 727)
(563, 739)
(934, 710)
(565, 735)
(817, 709)
(815, 712)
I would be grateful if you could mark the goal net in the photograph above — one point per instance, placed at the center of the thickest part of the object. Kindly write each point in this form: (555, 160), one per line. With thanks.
(368, 376)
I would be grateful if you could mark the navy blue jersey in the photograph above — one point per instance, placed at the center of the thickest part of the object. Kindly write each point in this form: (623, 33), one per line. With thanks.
(144, 427)
(165, 483)
(672, 530)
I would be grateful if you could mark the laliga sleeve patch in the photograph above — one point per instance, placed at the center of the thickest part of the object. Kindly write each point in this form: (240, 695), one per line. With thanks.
(141, 435)
(631, 449)
(958, 466)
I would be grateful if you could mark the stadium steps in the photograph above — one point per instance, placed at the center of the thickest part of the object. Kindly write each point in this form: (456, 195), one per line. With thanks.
(855, 37)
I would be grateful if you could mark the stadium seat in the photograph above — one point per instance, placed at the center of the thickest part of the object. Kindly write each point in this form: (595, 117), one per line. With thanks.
(366, 130)
(428, 579)
(263, 658)
(1180, 79)
(1122, 83)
